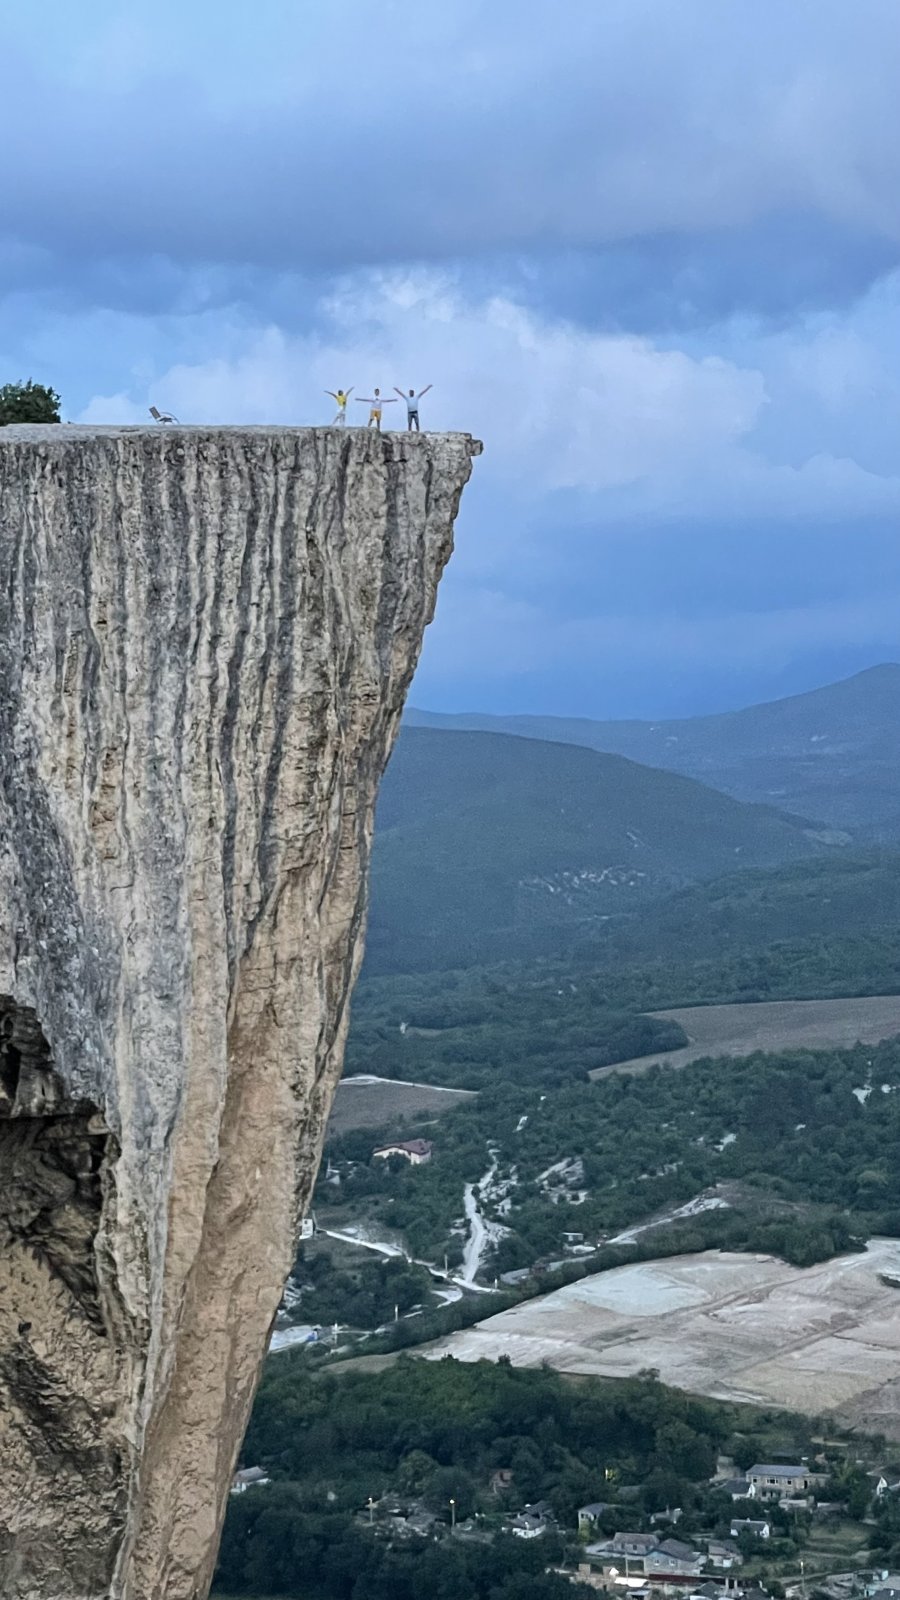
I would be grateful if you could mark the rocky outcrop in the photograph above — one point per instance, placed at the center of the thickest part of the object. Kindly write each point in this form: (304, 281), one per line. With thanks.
(206, 636)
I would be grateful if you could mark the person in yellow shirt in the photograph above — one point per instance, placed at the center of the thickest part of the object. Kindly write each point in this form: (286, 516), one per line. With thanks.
(341, 396)
(376, 402)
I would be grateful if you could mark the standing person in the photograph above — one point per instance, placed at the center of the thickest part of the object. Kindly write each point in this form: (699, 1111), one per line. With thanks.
(412, 405)
(341, 397)
(376, 402)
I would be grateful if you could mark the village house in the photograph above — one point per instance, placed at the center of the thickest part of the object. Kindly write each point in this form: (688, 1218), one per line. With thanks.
(415, 1151)
(533, 1521)
(882, 1485)
(737, 1488)
(645, 1555)
(633, 1545)
(760, 1529)
(524, 1526)
(885, 1587)
(673, 1559)
(722, 1555)
(248, 1478)
(672, 1514)
(771, 1481)
(588, 1516)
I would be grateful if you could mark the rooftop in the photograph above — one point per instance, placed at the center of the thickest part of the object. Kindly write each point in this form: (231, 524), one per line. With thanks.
(414, 1147)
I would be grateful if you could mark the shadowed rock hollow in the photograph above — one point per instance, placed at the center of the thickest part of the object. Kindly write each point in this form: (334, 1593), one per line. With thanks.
(206, 637)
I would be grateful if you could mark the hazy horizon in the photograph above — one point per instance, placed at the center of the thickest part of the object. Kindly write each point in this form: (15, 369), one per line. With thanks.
(564, 712)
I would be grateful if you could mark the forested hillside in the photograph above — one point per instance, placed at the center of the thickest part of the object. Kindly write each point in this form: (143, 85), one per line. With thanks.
(833, 753)
(489, 847)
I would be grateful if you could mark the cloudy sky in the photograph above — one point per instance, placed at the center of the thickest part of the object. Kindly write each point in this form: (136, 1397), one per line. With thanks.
(648, 250)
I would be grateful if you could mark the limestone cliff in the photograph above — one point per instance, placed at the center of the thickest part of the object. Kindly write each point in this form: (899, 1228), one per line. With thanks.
(206, 636)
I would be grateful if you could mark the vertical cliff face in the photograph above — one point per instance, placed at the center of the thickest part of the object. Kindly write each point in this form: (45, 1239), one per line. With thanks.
(206, 637)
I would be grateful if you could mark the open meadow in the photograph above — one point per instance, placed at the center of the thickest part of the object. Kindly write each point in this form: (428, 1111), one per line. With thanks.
(740, 1030)
(364, 1101)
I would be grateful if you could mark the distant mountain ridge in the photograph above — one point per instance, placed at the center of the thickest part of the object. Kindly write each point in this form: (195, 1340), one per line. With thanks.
(832, 754)
(489, 846)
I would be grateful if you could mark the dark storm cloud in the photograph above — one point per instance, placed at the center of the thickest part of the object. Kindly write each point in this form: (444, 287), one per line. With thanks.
(660, 147)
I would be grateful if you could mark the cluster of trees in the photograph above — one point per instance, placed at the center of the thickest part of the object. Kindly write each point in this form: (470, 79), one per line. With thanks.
(28, 402)
(884, 1537)
(468, 1039)
(787, 1129)
(437, 1431)
(363, 1295)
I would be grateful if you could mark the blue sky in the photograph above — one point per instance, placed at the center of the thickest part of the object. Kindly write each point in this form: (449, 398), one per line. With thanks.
(649, 252)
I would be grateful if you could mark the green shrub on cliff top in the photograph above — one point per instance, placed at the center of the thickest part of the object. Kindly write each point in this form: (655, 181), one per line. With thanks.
(28, 402)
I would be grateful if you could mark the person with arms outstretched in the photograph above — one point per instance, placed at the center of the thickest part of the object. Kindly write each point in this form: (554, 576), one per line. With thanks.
(375, 402)
(341, 396)
(412, 405)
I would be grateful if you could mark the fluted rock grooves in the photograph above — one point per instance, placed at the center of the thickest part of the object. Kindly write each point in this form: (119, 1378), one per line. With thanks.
(206, 637)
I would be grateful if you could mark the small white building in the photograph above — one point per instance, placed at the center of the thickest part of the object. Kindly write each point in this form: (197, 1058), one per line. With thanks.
(589, 1516)
(759, 1528)
(248, 1478)
(415, 1151)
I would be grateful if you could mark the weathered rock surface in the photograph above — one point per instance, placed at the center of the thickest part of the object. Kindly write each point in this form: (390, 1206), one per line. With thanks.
(206, 636)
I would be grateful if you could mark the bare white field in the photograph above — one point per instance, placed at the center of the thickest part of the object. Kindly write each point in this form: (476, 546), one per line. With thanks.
(772, 1025)
(732, 1326)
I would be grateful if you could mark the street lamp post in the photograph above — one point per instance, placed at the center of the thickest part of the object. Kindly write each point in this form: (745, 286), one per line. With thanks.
(452, 1515)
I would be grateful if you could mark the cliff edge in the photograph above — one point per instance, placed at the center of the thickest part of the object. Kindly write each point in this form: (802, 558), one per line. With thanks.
(206, 638)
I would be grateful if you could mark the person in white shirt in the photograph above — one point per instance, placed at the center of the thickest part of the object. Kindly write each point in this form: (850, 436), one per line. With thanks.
(412, 405)
(375, 402)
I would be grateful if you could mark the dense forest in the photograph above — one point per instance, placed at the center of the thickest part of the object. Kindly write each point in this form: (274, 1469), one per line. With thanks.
(432, 1433)
(545, 1022)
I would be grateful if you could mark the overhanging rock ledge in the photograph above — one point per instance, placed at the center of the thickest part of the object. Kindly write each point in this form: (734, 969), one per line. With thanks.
(206, 638)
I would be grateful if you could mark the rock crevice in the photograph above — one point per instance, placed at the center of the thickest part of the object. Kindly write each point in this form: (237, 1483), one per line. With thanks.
(206, 637)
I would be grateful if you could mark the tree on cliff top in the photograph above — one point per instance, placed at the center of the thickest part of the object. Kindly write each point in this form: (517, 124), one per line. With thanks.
(28, 402)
